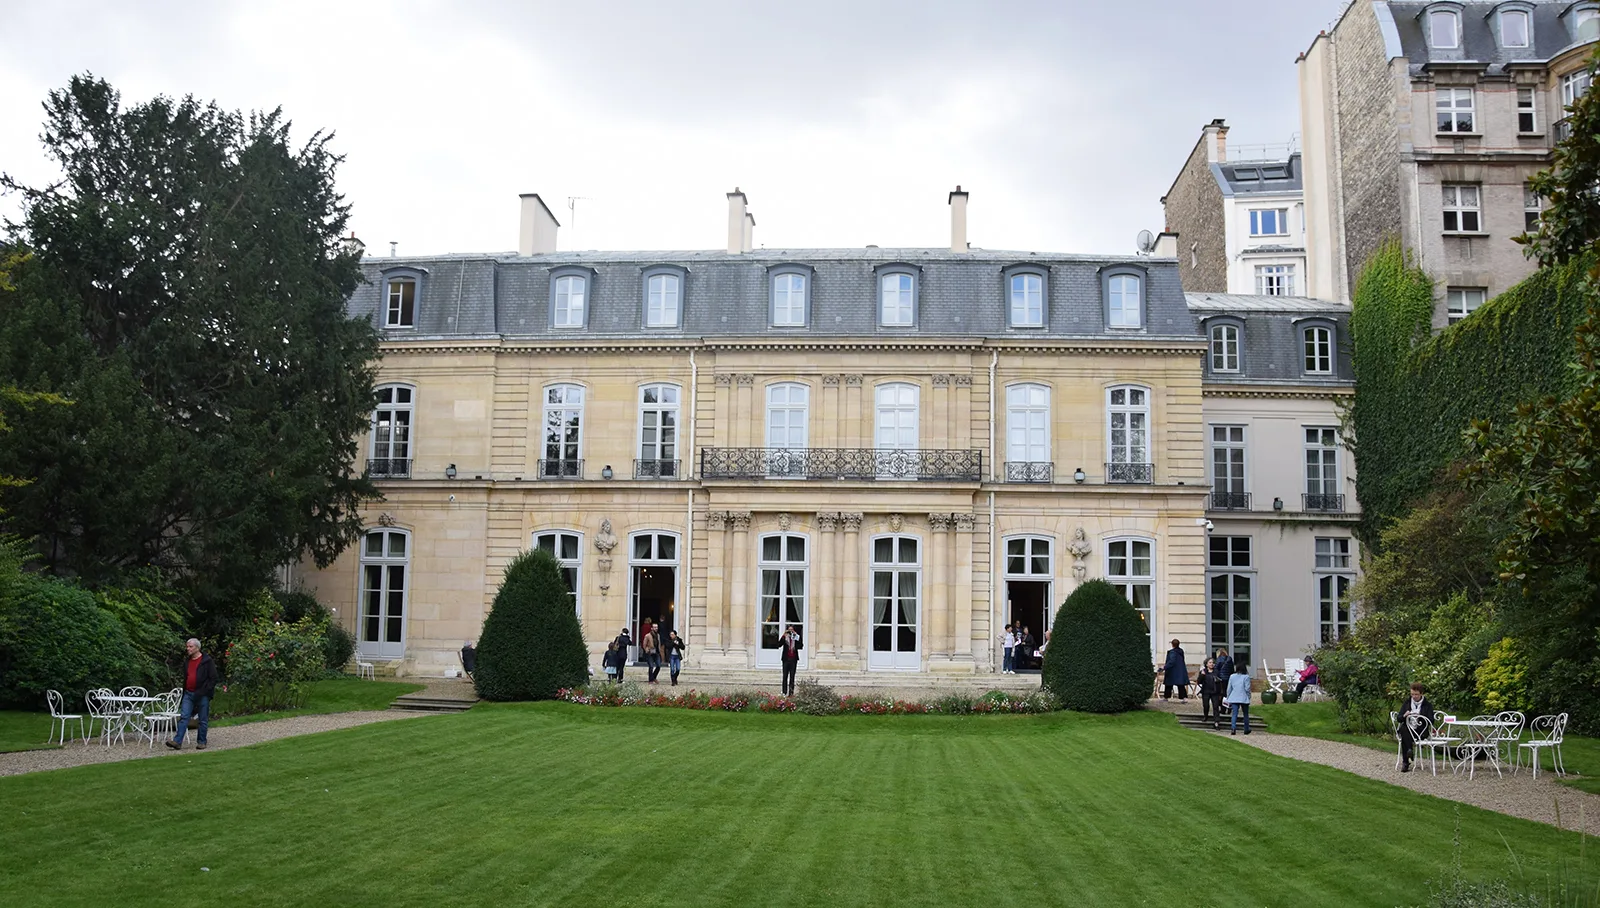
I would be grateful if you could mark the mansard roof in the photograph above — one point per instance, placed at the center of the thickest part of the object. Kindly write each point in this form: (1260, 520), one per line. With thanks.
(1479, 43)
(1271, 348)
(1244, 178)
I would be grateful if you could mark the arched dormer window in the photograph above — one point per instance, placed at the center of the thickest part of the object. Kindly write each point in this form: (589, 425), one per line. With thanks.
(897, 294)
(1513, 24)
(663, 295)
(1226, 342)
(402, 288)
(1441, 22)
(790, 288)
(1027, 295)
(1583, 21)
(1123, 289)
(1318, 345)
(570, 289)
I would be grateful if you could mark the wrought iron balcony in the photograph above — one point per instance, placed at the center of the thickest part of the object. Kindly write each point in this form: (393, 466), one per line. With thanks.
(1313, 502)
(1562, 129)
(1230, 501)
(560, 469)
(655, 469)
(1030, 471)
(1131, 472)
(841, 463)
(389, 468)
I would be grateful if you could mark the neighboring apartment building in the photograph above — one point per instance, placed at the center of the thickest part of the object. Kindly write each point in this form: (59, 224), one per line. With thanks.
(1424, 121)
(1238, 226)
(1281, 555)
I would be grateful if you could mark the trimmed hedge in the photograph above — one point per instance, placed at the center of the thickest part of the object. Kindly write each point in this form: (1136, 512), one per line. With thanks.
(54, 637)
(532, 646)
(1098, 659)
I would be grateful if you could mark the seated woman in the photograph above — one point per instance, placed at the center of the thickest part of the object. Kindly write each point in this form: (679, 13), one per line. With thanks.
(1308, 675)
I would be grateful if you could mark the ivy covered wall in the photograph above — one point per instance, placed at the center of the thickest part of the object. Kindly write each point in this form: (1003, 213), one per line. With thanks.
(1416, 393)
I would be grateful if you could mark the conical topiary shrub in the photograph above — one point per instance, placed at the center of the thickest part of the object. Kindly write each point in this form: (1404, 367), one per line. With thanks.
(531, 645)
(1098, 659)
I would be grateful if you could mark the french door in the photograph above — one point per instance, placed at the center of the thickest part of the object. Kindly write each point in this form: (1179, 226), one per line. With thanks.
(896, 604)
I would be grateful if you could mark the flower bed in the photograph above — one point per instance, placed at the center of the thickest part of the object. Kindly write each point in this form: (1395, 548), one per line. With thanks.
(813, 699)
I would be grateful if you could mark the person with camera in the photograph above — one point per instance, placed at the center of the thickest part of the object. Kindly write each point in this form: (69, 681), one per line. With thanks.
(789, 647)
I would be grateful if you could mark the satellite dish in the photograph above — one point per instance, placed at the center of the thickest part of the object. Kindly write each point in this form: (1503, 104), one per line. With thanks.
(1146, 242)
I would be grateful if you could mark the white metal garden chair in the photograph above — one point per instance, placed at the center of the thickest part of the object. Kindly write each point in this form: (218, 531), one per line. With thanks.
(365, 669)
(1275, 680)
(164, 716)
(1427, 734)
(1544, 733)
(1512, 736)
(1399, 745)
(58, 714)
(105, 711)
(1484, 742)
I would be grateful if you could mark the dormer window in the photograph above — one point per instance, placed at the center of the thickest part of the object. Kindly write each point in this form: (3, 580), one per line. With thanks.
(401, 310)
(1027, 292)
(897, 295)
(663, 296)
(1124, 297)
(1225, 348)
(569, 297)
(1444, 29)
(1514, 28)
(791, 296)
(1317, 344)
(1586, 23)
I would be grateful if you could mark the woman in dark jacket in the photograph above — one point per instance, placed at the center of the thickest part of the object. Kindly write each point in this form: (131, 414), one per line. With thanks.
(1212, 687)
(1177, 673)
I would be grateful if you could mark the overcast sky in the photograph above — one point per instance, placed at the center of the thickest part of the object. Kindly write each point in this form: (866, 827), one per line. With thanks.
(846, 123)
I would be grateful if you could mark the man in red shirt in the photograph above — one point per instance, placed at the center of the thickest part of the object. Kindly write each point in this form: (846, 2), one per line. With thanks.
(199, 683)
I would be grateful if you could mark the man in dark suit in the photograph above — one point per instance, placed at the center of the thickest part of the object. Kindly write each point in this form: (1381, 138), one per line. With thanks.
(789, 647)
(623, 641)
(1415, 705)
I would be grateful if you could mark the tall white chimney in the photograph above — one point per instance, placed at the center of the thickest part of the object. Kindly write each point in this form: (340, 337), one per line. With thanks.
(737, 212)
(1216, 136)
(538, 233)
(958, 221)
(749, 231)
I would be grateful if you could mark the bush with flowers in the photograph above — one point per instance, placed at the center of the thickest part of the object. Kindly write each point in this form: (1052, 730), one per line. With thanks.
(271, 660)
(807, 701)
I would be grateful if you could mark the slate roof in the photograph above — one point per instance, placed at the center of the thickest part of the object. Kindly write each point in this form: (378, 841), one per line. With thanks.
(1238, 178)
(1479, 44)
(1271, 350)
(959, 295)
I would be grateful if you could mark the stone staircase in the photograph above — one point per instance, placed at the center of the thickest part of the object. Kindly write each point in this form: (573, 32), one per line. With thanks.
(442, 695)
(905, 686)
(1193, 720)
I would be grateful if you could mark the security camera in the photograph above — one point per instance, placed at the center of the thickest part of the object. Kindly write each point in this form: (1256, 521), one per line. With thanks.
(1209, 525)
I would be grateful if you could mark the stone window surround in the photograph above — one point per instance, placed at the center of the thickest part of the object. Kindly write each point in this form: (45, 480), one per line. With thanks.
(1426, 19)
(582, 272)
(1513, 6)
(1575, 18)
(879, 272)
(418, 276)
(409, 406)
(1040, 271)
(650, 271)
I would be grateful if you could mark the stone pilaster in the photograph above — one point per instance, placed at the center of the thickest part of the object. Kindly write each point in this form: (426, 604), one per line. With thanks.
(742, 608)
(853, 650)
(962, 588)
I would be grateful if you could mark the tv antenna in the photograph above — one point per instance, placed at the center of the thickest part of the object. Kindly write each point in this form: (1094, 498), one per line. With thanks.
(1146, 241)
(572, 210)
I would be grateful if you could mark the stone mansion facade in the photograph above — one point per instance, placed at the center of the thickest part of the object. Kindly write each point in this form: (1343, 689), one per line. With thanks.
(897, 450)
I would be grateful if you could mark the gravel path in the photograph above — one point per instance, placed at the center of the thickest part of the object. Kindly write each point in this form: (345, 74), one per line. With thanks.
(225, 738)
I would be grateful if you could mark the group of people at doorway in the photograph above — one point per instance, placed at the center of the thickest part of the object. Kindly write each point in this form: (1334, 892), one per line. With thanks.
(654, 650)
(1020, 650)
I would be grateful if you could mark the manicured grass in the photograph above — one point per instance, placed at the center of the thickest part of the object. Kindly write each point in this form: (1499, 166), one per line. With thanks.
(556, 804)
(1321, 720)
(27, 730)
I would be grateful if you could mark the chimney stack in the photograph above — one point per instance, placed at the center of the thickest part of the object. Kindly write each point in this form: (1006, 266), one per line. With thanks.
(749, 231)
(1216, 138)
(739, 223)
(958, 221)
(538, 233)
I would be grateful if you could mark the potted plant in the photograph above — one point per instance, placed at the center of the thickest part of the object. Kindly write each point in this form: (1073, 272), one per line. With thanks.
(1268, 697)
(1290, 696)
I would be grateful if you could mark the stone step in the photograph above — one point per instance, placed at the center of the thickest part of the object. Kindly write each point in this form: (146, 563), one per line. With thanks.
(1194, 720)
(422, 702)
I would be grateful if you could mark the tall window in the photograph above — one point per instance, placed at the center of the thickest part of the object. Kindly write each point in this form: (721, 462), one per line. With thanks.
(1128, 435)
(1230, 592)
(1322, 469)
(1318, 349)
(658, 432)
(783, 587)
(1227, 468)
(1224, 348)
(1453, 109)
(563, 432)
(896, 416)
(1574, 86)
(788, 300)
(896, 603)
(1333, 606)
(569, 298)
(1461, 208)
(566, 549)
(1442, 29)
(402, 309)
(1028, 433)
(787, 417)
(391, 433)
(1027, 301)
(1462, 302)
(662, 294)
(1275, 280)
(1125, 305)
(385, 563)
(1269, 221)
(1527, 121)
(1130, 568)
(897, 302)
(1532, 206)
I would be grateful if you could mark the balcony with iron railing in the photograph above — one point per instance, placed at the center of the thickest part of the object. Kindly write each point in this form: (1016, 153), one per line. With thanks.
(389, 468)
(955, 465)
(1131, 472)
(560, 469)
(1328, 503)
(1230, 501)
(656, 469)
(1030, 471)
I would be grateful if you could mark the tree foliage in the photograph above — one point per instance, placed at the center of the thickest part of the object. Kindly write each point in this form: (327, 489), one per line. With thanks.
(532, 645)
(186, 290)
(1098, 659)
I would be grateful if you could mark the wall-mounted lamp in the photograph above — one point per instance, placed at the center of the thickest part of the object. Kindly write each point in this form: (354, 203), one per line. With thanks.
(450, 472)
(1277, 504)
(1078, 476)
(606, 473)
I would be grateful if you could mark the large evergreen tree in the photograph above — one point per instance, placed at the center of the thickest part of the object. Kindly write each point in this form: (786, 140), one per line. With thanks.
(185, 289)
(532, 645)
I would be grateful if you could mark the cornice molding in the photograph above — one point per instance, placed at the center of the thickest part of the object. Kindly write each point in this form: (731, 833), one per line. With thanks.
(1170, 346)
(1276, 393)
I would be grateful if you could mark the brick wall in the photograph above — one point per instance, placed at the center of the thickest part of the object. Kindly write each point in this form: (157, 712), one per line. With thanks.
(1369, 170)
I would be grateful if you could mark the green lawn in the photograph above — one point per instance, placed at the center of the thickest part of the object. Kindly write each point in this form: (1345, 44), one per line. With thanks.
(1321, 720)
(27, 730)
(555, 804)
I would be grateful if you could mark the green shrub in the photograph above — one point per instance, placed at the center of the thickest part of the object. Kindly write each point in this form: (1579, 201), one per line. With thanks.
(270, 661)
(1366, 683)
(153, 614)
(1502, 678)
(954, 705)
(1099, 654)
(1444, 655)
(54, 637)
(815, 699)
(338, 644)
(531, 644)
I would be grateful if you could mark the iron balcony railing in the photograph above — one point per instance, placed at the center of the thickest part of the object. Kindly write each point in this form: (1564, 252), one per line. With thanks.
(1130, 472)
(1030, 471)
(1315, 502)
(1230, 501)
(841, 463)
(560, 469)
(655, 469)
(389, 468)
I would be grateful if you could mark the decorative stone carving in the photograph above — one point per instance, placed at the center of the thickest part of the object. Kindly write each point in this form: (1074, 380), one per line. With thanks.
(784, 522)
(386, 519)
(939, 523)
(717, 520)
(830, 379)
(896, 522)
(827, 521)
(1079, 549)
(604, 542)
(746, 378)
(941, 381)
(963, 522)
(963, 381)
(741, 520)
(852, 379)
(724, 378)
(852, 522)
